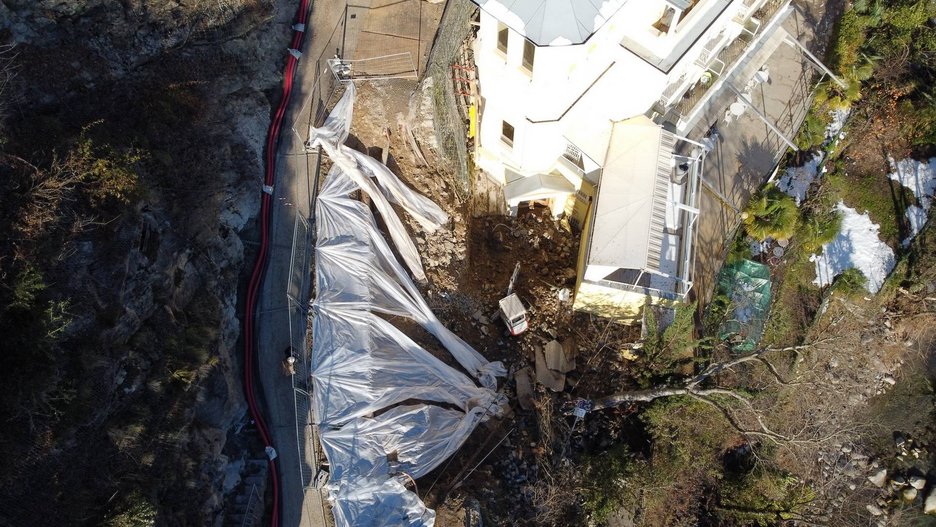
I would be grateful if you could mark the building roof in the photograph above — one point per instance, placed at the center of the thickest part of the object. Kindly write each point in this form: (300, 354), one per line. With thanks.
(553, 22)
(539, 186)
(621, 230)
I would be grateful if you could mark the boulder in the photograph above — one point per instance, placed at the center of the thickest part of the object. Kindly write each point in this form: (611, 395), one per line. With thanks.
(929, 506)
(874, 510)
(909, 494)
(524, 381)
(917, 482)
(879, 479)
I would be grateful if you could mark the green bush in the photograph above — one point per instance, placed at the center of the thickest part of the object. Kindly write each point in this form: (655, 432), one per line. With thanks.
(665, 351)
(761, 497)
(109, 175)
(605, 486)
(819, 229)
(812, 132)
(28, 285)
(134, 510)
(740, 249)
(852, 283)
(770, 214)
(689, 436)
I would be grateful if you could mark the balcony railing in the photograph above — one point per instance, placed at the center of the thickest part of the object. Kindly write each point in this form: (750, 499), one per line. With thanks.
(716, 67)
(717, 54)
(647, 291)
(765, 20)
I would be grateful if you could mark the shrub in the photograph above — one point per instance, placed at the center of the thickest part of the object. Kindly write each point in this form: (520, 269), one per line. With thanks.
(851, 283)
(605, 482)
(135, 510)
(28, 285)
(109, 175)
(689, 438)
(812, 132)
(819, 229)
(664, 351)
(761, 497)
(740, 249)
(770, 214)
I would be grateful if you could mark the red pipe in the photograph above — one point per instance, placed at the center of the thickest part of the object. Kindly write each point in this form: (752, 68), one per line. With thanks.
(256, 278)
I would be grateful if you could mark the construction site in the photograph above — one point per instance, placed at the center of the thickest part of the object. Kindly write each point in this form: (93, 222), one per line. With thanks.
(472, 282)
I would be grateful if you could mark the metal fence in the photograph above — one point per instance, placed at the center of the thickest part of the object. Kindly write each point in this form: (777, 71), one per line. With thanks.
(297, 295)
(454, 29)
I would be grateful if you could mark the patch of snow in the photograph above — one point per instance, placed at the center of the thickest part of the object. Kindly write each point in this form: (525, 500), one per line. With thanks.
(917, 217)
(920, 178)
(917, 176)
(796, 180)
(858, 245)
(834, 130)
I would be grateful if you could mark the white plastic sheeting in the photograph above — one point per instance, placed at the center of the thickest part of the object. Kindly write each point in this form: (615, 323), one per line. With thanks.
(363, 367)
(363, 364)
(396, 441)
(379, 502)
(360, 168)
(364, 273)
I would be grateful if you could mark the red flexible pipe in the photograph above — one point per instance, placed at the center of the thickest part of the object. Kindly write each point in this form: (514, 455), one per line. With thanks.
(256, 278)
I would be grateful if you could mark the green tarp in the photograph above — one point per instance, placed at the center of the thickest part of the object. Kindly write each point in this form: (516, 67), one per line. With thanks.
(747, 285)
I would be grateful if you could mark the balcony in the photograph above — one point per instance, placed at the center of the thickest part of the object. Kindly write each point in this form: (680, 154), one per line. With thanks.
(733, 60)
(715, 66)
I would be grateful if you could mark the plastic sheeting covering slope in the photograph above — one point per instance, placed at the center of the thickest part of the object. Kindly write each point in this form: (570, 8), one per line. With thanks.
(383, 502)
(394, 442)
(365, 273)
(362, 365)
(361, 168)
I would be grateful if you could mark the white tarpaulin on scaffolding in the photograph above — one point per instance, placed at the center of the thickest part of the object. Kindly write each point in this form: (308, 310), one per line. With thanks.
(362, 365)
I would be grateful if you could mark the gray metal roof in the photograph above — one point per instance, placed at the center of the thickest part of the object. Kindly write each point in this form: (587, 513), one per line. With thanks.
(553, 22)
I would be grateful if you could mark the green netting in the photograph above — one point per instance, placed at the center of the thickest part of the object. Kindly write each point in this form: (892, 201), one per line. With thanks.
(747, 285)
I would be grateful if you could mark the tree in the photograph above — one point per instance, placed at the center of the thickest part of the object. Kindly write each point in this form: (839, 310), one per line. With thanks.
(770, 214)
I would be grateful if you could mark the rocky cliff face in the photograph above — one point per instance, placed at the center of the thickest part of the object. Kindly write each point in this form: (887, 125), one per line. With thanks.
(150, 356)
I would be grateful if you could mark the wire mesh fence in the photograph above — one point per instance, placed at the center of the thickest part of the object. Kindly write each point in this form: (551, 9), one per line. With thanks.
(395, 66)
(297, 293)
(454, 30)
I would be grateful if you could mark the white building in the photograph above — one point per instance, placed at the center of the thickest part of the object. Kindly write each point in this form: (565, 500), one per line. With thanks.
(580, 93)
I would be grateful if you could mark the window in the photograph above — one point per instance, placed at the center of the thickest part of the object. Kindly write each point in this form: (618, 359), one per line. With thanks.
(529, 52)
(502, 35)
(507, 133)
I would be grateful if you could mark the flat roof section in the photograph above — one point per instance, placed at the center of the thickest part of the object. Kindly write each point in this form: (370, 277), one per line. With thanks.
(624, 208)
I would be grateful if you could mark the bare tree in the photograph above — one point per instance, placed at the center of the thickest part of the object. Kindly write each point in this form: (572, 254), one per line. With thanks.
(748, 414)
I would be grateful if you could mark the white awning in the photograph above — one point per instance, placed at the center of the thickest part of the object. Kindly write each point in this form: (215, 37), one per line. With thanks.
(623, 212)
(539, 186)
(553, 22)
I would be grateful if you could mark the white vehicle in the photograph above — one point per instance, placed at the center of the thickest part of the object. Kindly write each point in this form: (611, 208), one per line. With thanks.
(511, 310)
